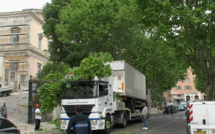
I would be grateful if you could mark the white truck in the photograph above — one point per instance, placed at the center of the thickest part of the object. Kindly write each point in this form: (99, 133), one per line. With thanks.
(201, 117)
(5, 90)
(100, 99)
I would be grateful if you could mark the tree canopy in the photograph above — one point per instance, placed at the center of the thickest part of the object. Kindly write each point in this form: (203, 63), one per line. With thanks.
(78, 28)
(189, 27)
(90, 67)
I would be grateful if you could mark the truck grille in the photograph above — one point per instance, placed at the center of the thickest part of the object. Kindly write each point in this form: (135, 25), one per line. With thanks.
(70, 109)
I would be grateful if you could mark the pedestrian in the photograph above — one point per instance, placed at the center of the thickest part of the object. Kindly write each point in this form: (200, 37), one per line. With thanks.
(165, 110)
(171, 109)
(145, 116)
(3, 110)
(187, 115)
(79, 122)
(38, 117)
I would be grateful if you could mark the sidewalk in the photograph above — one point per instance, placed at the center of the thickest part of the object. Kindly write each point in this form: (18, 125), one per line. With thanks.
(155, 111)
(46, 128)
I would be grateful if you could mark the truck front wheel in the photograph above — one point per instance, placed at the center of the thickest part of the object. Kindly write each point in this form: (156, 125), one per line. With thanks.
(107, 125)
(125, 120)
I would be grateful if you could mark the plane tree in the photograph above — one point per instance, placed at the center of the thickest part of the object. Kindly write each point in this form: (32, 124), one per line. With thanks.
(188, 26)
(77, 28)
(159, 62)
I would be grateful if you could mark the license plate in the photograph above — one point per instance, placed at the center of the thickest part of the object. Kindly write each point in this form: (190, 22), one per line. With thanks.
(200, 132)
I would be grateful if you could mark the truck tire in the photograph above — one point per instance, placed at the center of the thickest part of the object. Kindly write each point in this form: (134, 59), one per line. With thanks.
(4, 94)
(8, 93)
(124, 120)
(107, 125)
(133, 106)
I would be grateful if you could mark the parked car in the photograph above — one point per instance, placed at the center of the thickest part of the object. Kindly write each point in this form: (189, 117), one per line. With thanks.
(7, 127)
(182, 107)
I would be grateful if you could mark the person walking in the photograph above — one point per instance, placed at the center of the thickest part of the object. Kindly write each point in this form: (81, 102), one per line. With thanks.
(145, 116)
(38, 117)
(3, 110)
(79, 122)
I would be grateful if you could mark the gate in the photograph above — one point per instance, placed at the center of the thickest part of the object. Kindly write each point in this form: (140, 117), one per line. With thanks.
(33, 99)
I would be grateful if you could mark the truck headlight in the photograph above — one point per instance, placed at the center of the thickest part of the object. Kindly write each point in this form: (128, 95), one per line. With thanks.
(93, 122)
(63, 122)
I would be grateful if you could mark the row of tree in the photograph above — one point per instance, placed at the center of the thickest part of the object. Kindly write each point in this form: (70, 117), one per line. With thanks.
(161, 38)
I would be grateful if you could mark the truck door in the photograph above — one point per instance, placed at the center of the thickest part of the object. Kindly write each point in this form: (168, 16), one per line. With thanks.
(211, 117)
(103, 95)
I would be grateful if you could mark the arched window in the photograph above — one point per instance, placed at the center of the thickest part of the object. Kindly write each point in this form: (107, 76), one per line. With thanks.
(188, 98)
(196, 97)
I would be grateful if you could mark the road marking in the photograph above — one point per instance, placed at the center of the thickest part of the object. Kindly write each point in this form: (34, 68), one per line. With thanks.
(154, 129)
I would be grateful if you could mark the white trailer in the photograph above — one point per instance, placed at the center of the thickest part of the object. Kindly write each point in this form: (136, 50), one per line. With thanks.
(201, 119)
(5, 90)
(100, 98)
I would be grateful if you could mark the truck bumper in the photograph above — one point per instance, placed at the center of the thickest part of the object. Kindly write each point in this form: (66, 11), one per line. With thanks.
(64, 123)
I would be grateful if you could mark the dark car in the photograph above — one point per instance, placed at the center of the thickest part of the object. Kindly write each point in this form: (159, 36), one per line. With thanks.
(7, 127)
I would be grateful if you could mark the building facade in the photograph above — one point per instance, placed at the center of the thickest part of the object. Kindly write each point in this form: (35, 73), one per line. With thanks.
(185, 90)
(23, 47)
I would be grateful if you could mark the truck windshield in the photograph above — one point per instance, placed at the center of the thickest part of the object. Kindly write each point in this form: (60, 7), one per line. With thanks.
(79, 90)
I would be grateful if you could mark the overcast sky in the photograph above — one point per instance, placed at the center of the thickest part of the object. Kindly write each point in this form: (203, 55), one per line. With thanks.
(18, 5)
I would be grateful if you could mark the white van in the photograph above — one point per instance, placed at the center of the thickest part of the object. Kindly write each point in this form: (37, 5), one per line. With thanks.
(201, 119)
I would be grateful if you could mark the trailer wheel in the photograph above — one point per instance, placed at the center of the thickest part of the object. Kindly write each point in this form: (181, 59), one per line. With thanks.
(8, 93)
(125, 120)
(107, 124)
(133, 106)
(4, 94)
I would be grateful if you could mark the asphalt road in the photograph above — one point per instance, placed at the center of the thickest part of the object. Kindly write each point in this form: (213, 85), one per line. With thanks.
(158, 124)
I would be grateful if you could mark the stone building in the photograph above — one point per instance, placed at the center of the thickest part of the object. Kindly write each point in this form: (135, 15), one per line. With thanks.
(23, 47)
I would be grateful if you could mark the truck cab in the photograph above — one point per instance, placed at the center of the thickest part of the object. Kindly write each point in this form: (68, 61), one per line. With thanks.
(95, 97)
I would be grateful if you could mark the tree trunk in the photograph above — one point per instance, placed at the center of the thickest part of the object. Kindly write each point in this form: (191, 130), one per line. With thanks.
(210, 92)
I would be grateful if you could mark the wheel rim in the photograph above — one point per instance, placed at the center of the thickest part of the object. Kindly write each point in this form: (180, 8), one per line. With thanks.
(125, 120)
(125, 123)
(108, 124)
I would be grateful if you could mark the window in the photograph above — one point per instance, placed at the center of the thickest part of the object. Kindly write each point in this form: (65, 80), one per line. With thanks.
(40, 37)
(178, 88)
(14, 67)
(187, 79)
(103, 89)
(15, 34)
(15, 38)
(187, 88)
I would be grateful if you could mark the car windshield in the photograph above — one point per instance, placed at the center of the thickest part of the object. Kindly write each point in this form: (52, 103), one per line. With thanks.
(79, 90)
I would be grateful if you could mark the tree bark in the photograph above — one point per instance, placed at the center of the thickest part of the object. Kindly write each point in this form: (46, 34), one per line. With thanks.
(210, 92)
